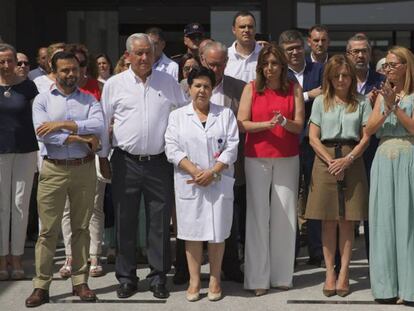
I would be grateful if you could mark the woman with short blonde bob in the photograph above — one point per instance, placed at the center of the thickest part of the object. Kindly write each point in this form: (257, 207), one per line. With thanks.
(338, 192)
(272, 113)
(391, 209)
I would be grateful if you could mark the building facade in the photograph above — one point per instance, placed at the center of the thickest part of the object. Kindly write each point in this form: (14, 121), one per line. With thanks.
(103, 25)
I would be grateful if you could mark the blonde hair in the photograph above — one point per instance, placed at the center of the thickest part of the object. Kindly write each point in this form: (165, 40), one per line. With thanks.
(328, 90)
(406, 57)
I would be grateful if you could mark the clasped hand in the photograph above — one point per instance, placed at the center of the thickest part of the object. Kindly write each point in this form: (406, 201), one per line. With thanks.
(202, 178)
(338, 166)
(277, 119)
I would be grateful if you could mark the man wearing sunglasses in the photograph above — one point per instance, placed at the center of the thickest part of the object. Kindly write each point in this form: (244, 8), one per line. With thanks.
(23, 66)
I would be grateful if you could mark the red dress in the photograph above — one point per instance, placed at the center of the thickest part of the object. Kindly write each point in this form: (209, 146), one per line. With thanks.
(276, 142)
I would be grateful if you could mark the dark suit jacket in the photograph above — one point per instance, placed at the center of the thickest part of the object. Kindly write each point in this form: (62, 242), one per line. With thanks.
(374, 80)
(308, 58)
(312, 78)
(233, 89)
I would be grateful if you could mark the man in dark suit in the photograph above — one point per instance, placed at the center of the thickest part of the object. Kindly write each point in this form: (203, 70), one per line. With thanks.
(309, 76)
(227, 92)
(358, 51)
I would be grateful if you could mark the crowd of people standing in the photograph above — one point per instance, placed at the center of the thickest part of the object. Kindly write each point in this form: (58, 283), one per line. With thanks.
(220, 143)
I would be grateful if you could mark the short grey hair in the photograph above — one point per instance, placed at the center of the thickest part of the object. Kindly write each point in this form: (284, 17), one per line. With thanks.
(358, 37)
(138, 36)
(7, 47)
(217, 46)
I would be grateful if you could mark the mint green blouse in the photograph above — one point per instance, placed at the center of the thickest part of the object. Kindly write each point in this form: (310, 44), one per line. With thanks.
(337, 123)
(391, 126)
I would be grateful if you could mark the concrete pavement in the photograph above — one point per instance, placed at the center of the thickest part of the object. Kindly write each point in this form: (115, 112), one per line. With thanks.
(306, 294)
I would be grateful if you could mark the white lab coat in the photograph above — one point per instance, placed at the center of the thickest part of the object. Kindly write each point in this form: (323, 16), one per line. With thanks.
(203, 213)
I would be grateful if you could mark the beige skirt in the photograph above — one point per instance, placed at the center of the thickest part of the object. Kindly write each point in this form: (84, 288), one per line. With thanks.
(323, 202)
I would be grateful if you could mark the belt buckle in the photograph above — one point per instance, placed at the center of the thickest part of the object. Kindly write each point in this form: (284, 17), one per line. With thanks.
(142, 158)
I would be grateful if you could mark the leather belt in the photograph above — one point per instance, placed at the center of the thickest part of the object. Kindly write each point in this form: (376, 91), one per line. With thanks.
(71, 162)
(142, 157)
(343, 142)
(340, 186)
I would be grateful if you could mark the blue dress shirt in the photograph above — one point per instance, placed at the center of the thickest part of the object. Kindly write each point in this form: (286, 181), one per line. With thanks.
(79, 107)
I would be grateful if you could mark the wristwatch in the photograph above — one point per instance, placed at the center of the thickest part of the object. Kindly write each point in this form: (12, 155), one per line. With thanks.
(284, 122)
(216, 176)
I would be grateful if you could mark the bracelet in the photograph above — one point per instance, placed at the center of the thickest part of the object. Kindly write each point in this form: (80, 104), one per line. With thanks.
(216, 176)
(351, 157)
(284, 122)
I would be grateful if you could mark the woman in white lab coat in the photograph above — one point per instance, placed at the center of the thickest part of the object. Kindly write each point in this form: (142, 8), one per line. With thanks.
(201, 140)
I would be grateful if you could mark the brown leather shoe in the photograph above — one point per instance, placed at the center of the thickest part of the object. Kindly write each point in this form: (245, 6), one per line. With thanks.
(84, 292)
(37, 298)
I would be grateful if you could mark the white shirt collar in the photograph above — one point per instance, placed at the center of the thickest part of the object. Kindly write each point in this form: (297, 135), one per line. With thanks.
(137, 79)
(256, 50)
(298, 72)
(315, 61)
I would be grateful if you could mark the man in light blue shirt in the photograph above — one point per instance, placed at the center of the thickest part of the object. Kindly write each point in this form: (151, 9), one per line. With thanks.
(68, 123)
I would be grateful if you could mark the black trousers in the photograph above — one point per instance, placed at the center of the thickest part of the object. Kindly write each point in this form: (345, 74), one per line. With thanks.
(154, 180)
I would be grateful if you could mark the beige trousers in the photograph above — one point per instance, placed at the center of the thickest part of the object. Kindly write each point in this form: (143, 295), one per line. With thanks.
(96, 225)
(56, 182)
(271, 196)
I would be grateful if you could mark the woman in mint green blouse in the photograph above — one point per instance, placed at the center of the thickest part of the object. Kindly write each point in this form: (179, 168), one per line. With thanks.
(391, 199)
(338, 192)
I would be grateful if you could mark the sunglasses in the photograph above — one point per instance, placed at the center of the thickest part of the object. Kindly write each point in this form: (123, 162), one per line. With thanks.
(23, 62)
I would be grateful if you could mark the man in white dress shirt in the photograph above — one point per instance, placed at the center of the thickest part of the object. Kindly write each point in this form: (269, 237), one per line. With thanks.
(162, 62)
(245, 50)
(139, 101)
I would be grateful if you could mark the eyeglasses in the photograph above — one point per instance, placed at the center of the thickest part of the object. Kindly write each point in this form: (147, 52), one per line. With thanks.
(355, 52)
(390, 65)
(291, 49)
(23, 62)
